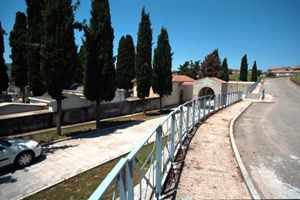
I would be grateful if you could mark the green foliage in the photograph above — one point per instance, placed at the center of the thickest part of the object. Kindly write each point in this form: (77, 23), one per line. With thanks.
(244, 69)
(191, 69)
(225, 70)
(143, 56)
(125, 70)
(162, 65)
(211, 66)
(57, 45)
(254, 72)
(17, 41)
(3, 67)
(34, 31)
(99, 77)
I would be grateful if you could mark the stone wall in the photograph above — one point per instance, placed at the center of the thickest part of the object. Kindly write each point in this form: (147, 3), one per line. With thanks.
(20, 124)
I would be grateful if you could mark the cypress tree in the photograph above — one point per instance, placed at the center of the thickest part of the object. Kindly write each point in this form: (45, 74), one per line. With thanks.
(143, 58)
(99, 76)
(211, 66)
(244, 69)
(56, 49)
(34, 31)
(3, 67)
(254, 72)
(162, 66)
(125, 71)
(17, 41)
(225, 70)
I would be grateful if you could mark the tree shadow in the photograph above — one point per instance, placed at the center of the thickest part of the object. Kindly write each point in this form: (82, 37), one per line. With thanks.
(7, 179)
(109, 130)
(158, 113)
(52, 149)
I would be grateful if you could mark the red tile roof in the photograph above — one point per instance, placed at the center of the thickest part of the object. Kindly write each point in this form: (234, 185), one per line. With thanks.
(181, 78)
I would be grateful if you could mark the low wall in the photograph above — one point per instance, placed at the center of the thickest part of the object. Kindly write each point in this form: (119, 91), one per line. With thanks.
(11, 108)
(20, 124)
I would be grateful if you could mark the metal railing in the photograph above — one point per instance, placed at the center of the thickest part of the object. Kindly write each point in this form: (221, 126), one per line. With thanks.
(142, 173)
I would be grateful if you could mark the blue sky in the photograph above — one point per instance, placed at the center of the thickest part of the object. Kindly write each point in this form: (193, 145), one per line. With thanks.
(268, 31)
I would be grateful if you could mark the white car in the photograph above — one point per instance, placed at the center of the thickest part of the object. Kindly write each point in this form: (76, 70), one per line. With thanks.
(18, 151)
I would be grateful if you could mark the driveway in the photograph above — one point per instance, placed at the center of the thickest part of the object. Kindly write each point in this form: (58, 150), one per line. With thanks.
(65, 159)
(268, 138)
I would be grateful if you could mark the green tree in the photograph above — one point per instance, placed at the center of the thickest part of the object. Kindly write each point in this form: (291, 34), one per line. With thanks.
(191, 69)
(244, 69)
(56, 50)
(34, 31)
(211, 66)
(17, 41)
(225, 70)
(3, 67)
(125, 71)
(254, 72)
(143, 58)
(162, 66)
(99, 76)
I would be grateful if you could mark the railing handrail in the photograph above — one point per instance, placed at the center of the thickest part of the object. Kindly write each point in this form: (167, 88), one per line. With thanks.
(157, 130)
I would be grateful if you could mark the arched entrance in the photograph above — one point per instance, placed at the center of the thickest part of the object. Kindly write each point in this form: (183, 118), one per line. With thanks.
(205, 91)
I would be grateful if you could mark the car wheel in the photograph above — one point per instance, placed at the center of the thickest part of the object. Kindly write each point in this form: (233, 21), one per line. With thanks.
(24, 159)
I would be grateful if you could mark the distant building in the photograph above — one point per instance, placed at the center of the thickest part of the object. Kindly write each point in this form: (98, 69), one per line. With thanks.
(284, 71)
(182, 90)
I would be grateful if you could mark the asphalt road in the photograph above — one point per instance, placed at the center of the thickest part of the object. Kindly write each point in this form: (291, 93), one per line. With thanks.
(268, 138)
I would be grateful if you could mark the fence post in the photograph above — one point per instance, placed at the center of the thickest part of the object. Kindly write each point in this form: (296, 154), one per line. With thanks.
(180, 125)
(158, 161)
(204, 106)
(209, 104)
(215, 101)
(194, 111)
(129, 177)
(173, 122)
(121, 184)
(199, 108)
(187, 117)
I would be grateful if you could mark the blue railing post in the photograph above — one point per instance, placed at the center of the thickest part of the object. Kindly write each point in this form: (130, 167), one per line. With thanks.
(180, 125)
(158, 161)
(215, 102)
(129, 177)
(194, 111)
(199, 109)
(121, 184)
(204, 106)
(173, 122)
(209, 99)
(187, 117)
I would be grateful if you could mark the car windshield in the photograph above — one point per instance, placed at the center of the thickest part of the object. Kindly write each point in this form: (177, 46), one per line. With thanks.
(5, 142)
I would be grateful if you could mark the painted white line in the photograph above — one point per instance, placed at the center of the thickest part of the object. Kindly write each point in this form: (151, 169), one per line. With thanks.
(238, 158)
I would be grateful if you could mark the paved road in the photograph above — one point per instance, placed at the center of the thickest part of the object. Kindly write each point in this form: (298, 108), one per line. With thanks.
(70, 157)
(268, 138)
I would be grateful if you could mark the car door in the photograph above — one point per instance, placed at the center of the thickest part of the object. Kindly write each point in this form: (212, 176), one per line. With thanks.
(5, 155)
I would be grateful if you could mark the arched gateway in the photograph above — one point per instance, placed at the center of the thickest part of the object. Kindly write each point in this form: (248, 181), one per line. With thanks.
(209, 86)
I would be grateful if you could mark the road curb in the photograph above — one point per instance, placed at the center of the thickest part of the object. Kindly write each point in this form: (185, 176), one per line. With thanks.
(254, 194)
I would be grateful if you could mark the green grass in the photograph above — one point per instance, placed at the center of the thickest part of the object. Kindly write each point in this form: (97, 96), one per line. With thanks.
(77, 187)
(48, 136)
(236, 77)
(296, 78)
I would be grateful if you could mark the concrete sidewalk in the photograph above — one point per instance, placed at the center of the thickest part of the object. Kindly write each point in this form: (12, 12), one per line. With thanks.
(210, 170)
(65, 159)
